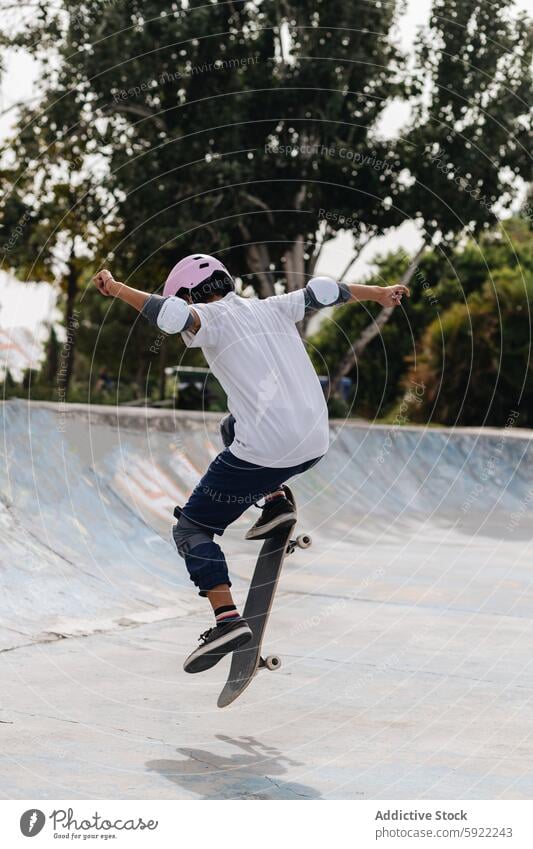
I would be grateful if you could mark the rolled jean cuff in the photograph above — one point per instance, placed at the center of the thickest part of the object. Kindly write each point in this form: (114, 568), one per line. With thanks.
(207, 566)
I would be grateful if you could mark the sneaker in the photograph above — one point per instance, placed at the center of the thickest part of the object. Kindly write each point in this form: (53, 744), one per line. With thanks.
(217, 642)
(278, 515)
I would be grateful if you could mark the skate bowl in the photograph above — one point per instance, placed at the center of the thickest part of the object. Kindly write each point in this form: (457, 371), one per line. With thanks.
(405, 631)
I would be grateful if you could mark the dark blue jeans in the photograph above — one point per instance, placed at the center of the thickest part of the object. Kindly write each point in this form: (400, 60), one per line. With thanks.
(226, 490)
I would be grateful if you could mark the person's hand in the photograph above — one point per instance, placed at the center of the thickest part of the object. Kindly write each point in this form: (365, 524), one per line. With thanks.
(391, 296)
(106, 283)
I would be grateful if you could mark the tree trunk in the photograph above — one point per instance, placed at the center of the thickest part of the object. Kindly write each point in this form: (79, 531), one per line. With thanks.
(71, 326)
(258, 259)
(315, 256)
(356, 349)
(52, 353)
(294, 265)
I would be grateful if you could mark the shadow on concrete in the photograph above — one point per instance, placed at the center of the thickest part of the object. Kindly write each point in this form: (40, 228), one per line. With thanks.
(252, 772)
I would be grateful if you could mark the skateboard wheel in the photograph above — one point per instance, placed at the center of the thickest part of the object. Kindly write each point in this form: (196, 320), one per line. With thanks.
(303, 541)
(273, 662)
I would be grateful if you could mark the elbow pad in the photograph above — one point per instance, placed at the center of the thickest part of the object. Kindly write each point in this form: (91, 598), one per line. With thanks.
(323, 292)
(171, 315)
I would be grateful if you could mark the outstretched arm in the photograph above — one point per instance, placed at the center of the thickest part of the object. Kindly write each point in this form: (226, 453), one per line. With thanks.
(387, 296)
(171, 315)
(323, 292)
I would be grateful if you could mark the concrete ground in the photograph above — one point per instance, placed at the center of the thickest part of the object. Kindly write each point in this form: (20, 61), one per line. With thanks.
(405, 631)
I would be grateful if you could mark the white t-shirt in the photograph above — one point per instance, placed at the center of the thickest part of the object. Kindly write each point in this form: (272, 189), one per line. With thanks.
(255, 351)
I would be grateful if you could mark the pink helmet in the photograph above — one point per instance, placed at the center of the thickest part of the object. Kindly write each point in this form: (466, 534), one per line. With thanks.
(191, 271)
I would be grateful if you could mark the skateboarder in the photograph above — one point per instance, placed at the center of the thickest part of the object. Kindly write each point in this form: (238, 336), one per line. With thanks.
(278, 426)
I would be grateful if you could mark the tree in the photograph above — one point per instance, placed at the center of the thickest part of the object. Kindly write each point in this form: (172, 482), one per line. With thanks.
(475, 361)
(346, 363)
(475, 364)
(394, 357)
(468, 143)
(377, 379)
(243, 128)
(250, 130)
(49, 220)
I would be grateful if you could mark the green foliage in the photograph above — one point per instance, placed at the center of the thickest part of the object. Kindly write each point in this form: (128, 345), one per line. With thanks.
(470, 138)
(475, 361)
(469, 134)
(338, 408)
(378, 376)
(216, 131)
(476, 365)
(445, 290)
(8, 387)
(233, 128)
(166, 130)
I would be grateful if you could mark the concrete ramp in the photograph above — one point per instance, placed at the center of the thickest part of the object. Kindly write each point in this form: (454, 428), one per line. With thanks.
(405, 631)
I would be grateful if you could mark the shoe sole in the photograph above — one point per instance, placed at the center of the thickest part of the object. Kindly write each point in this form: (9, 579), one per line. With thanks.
(273, 527)
(211, 656)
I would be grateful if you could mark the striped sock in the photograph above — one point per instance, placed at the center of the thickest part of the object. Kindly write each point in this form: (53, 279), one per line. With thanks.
(227, 613)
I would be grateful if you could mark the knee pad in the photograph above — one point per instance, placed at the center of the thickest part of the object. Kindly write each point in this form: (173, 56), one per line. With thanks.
(187, 535)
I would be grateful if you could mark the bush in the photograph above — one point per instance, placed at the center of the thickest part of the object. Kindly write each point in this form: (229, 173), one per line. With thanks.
(476, 362)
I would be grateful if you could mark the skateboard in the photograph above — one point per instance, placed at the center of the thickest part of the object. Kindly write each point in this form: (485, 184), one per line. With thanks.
(246, 661)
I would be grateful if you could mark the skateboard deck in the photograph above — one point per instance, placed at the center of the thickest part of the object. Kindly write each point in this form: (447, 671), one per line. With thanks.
(245, 661)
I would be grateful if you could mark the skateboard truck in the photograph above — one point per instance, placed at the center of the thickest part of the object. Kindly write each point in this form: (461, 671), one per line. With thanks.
(271, 661)
(301, 541)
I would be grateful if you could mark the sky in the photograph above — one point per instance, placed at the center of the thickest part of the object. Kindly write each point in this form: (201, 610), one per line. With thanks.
(25, 306)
